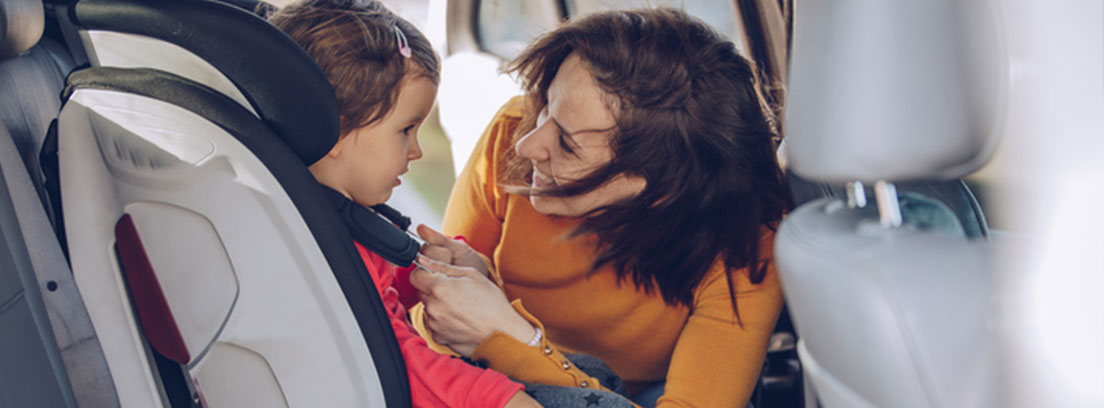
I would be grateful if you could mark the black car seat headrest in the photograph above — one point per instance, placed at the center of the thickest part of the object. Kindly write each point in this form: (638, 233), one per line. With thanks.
(21, 25)
(264, 64)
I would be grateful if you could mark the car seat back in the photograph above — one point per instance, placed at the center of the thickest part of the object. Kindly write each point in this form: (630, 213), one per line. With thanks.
(891, 298)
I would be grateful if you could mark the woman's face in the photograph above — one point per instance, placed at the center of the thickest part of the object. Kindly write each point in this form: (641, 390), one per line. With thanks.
(572, 139)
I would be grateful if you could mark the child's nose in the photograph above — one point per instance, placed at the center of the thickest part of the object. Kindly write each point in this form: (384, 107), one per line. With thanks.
(414, 151)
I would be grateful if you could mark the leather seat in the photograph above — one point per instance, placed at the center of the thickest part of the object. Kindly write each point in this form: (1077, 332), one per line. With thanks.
(891, 299)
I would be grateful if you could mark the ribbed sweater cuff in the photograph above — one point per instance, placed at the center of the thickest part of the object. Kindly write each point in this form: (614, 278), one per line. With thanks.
(542, 364)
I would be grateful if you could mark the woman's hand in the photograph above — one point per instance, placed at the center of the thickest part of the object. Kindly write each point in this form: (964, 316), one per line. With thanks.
(442, 248)
(463, 307)
(522, 400)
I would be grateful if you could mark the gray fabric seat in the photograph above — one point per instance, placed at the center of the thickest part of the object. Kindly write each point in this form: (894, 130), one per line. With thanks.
(49, 354)
(31, 84)
(891, 300)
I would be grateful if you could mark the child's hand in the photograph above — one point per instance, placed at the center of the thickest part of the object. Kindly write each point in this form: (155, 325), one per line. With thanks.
(442, 248)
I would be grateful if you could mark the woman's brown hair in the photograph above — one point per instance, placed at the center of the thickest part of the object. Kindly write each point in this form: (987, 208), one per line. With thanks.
(689, 120)
(355, 43)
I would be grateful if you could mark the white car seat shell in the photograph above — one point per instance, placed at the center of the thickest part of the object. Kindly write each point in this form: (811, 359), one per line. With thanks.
(195, 228)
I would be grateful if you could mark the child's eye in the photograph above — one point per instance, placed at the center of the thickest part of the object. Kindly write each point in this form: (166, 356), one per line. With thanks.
(406, 131)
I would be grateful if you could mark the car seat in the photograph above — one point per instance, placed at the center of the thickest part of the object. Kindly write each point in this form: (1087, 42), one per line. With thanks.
(891, 301)
(49, 353)
(214, 267)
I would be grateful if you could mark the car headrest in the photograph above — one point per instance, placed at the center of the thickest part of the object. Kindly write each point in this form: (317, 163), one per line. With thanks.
(21, 25)
(280, 81)
(894, 91)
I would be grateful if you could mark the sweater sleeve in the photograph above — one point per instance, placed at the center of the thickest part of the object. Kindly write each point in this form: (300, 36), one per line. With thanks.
(717, 359)
(436, 380)
(541, 364)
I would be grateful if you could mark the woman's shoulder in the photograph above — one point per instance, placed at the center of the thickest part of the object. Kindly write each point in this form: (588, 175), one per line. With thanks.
(500, 132)
(514, 109)
(718, 273)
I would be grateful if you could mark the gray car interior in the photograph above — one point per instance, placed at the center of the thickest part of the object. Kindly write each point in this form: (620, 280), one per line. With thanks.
(886, 263)
(47, 331)
(891, 295)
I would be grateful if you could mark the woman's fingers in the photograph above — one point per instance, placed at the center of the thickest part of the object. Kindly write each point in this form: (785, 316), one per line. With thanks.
(460, 253)
(436, 252)
(463, 307)
(434, 327)
(434, 237)
(424, 280)
(434, 265)
(443, 332)
(430, 276)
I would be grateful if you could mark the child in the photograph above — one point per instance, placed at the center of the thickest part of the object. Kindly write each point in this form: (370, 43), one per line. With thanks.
(384, 75)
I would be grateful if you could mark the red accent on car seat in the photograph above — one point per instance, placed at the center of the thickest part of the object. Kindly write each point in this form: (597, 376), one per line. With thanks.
(153, 309)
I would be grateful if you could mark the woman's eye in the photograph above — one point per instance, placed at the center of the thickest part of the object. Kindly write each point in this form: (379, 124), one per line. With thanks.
(564, 144)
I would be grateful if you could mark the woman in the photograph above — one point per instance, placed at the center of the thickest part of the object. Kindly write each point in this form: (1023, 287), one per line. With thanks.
(628, 201)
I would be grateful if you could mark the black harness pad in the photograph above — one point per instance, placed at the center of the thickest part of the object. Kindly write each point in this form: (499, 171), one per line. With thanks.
(380, 229)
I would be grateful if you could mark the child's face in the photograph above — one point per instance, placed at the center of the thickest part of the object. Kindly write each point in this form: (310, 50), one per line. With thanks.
(365, 164)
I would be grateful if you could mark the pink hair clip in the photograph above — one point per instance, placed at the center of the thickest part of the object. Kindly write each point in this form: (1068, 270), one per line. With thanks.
(404, 46)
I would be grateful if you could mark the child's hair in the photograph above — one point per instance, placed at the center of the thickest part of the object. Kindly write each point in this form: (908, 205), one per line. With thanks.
(357, 44)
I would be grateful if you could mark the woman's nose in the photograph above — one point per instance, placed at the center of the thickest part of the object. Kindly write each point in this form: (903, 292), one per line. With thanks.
(533, 145)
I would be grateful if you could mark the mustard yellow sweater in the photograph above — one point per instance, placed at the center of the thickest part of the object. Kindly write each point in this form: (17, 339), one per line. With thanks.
(706, 357)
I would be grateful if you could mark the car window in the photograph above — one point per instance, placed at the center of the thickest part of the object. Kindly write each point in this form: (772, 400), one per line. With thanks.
(719, 14)
(507, 26)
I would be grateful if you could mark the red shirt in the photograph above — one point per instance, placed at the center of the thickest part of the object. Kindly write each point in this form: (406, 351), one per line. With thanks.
(436, 380)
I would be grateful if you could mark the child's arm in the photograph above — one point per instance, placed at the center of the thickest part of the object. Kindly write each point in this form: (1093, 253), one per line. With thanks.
(440, 380)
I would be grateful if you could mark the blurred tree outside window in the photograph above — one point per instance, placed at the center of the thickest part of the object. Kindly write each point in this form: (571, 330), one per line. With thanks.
(425, 189)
